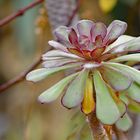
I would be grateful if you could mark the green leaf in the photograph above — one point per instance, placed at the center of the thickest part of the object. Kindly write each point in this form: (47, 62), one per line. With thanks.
(54, 92)
(134, 106)
(130, 57)
(116, 79)
(40, 74)
(106, 108)
(124, 98)
(131, 72)
(75, 91)
(134, 92)
(124, 123)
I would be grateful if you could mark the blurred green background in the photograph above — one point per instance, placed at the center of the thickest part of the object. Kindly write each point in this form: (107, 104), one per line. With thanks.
(22, 41)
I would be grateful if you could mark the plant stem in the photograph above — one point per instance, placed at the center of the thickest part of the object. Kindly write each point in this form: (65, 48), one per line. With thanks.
(98, 130)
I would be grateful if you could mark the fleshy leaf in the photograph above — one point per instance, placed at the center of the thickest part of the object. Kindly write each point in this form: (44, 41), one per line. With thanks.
(106, 108)
(54, 92)
(120, 104)
(58, 53)
(75, 92)
(114, 30)
(129, 57)
(124, 123)
(40, 74)
(131, 72)
(57, 45)
(130, 46)
(61, 34)
(134, 106)
(124, 98)
(73, 38)
(84, 27)
(116, 79)
(88, 103)
(58, 62)
(98, 29)
(134, 92)
(122, 39)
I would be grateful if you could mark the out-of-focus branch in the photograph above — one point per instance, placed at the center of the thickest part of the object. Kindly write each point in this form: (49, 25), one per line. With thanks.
(19, 13)
(22, 75)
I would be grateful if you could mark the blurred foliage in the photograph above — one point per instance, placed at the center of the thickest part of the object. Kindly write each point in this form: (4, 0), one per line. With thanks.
(107, 5)
(24, 40)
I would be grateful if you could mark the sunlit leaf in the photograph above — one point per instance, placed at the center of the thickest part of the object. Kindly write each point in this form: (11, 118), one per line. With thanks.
(106, 108)
(88, 103)
(54, 92)
(40, 74)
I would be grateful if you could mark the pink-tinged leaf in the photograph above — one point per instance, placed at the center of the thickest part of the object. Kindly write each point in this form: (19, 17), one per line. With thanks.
(122, 39)
(76, 52)
(134, 92)
(116, 79)
(130, 46)
(58, 62)
(57, 45)
(98, 29)
(115, 29)
(73, 38)
(58, 53)
(98, 41)
(75, 92)
(96, 53)
(84, 27)
(62, 34)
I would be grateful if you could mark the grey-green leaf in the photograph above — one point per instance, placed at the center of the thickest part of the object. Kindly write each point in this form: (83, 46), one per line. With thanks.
(134, 92)
(40, 74)
(75, 91)
(106, 108)
(131, 72)
(124, 123)
(116, 79)
(54, 92)
(129, 57)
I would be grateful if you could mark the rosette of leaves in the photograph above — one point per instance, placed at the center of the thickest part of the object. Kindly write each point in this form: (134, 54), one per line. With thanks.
(103, 81)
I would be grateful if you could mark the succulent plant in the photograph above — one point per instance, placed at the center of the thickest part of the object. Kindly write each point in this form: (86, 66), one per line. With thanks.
(102, 81)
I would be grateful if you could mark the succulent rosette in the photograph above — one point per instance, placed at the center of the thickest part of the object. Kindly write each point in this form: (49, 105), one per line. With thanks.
(101, 79)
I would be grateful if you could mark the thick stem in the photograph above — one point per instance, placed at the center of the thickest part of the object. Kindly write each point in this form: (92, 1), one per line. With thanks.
(98, 130)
